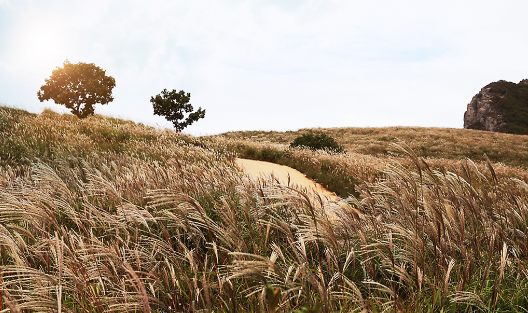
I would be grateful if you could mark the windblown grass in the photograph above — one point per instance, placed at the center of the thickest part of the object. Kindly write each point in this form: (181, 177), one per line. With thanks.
(341, 173)
(161, 222)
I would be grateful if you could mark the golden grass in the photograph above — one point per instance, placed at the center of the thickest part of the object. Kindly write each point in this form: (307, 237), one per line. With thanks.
(115, 216)
(370, 150)
(441, 143)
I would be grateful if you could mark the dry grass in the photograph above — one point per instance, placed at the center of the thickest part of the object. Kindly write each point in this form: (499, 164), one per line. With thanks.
(160, 222)
(342, 173)
(441, 143)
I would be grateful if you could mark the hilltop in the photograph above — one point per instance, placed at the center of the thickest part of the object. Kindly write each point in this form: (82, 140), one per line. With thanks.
(51, 136)
(102, 214)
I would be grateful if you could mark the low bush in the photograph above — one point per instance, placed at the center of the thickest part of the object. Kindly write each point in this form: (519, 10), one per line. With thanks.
(317, 141)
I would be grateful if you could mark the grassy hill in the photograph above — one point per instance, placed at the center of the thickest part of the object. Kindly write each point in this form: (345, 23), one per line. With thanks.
(371, 150)
(445, 143)
(101, 214)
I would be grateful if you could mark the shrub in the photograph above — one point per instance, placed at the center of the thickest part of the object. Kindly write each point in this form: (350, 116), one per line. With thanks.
(271, 155)
(317, 141)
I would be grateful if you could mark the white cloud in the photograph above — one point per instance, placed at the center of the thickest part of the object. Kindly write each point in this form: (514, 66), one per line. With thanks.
(273, 64)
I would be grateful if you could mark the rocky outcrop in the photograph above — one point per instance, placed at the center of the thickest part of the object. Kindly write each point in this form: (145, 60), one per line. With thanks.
(484, 112)
(499, 107)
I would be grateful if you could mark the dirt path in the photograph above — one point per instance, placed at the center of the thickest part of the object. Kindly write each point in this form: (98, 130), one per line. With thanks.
(280, 172)
(263, 169)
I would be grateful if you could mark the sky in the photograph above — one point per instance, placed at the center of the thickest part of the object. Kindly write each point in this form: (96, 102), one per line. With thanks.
(271, 64)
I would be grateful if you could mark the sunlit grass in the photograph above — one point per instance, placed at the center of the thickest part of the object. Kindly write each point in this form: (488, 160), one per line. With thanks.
(441, 143)
(341, 173)
(101, 215)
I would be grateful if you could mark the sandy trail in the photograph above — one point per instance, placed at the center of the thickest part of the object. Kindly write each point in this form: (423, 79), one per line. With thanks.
(261, 169)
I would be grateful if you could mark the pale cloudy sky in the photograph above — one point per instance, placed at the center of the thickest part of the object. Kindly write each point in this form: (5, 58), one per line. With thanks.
(270, 64)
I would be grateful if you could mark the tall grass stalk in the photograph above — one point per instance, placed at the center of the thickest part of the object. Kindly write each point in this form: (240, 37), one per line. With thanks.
(168, 223)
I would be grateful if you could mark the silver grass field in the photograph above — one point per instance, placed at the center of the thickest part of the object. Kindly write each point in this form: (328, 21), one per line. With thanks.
(104, 215)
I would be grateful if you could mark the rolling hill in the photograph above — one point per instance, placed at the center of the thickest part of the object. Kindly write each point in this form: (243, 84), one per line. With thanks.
(102, 214)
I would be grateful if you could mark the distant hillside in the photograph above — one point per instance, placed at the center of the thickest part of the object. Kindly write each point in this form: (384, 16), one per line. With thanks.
(445, 143)
(501, 107)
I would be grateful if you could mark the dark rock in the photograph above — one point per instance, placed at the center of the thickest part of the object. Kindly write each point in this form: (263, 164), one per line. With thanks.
(499, 107)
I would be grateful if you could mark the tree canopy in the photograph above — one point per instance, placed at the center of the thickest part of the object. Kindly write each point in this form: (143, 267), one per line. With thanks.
(78, 87)
(172, 105)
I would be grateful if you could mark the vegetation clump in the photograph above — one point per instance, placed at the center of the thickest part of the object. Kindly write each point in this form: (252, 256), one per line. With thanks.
(317, 141)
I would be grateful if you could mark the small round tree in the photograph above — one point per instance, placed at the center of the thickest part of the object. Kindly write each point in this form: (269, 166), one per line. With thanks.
(317, 141)
(172, 105)
(78, 87)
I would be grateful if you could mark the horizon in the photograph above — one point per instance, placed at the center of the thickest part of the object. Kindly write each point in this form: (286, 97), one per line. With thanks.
(171, 128)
